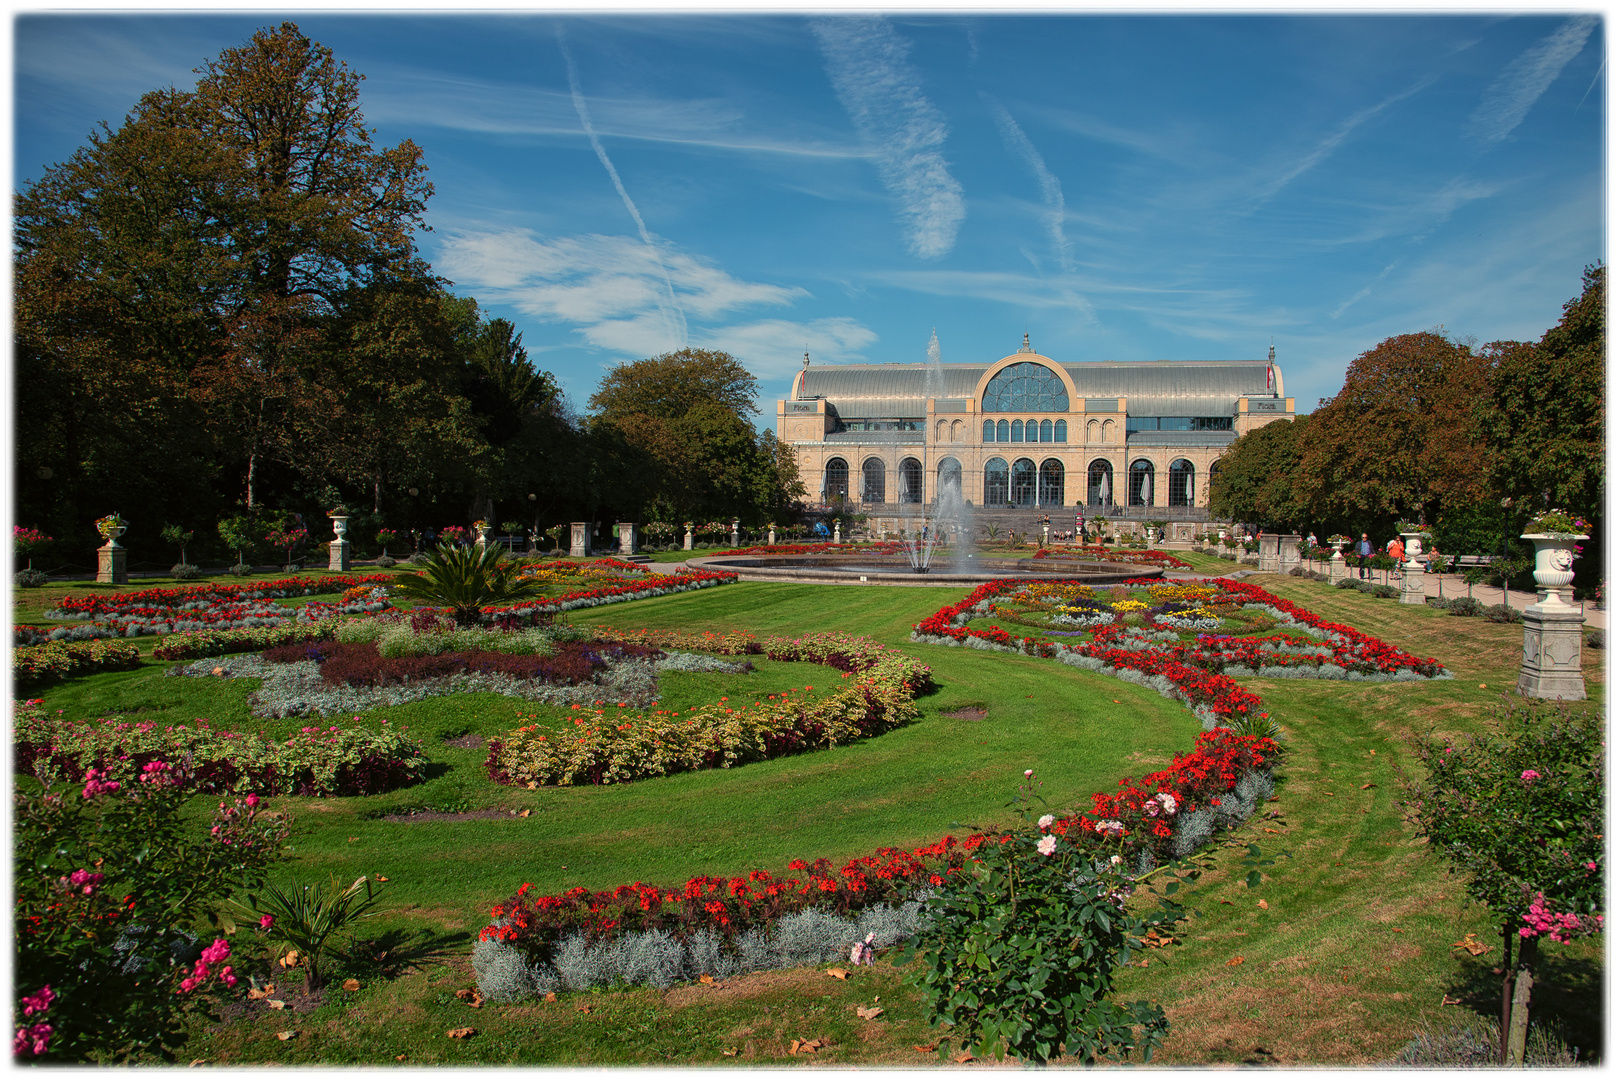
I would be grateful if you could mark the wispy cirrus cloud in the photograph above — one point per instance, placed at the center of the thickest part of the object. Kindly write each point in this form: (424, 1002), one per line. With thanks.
(1513, 93)
(1050, 188)
(610, 291)
(902, 130)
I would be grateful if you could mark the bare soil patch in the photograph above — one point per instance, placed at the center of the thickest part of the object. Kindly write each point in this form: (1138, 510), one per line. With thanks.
(466, 742)
(417, 816)
(966, 714)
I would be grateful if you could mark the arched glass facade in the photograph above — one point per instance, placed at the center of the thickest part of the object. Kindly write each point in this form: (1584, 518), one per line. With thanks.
(949, 475)
(910, 480)
(835, 486)
(1182, 483)
(1023, 387)
(1140, 483)
(996, 482)
(1022, 482)
(988, 431)
(1051, 474)
(1045, 431)
(1002, 431)
(1061, 431)
(1016, 431)
(1100, 492)
(874, 481)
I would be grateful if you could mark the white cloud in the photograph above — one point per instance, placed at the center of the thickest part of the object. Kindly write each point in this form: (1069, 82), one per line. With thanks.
(611, 288)
(1050, 188)
(1509, 97)
(900, 127)
(773, 348)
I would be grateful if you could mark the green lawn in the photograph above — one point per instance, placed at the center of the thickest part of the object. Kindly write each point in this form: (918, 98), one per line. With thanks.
(1351, 955)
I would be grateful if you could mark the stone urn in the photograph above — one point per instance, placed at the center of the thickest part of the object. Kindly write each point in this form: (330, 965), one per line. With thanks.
(1553, 564)
(688, 537)
(1412, 546)
(339, 525)
(837, 531)
(483, 528)
(1337, 547)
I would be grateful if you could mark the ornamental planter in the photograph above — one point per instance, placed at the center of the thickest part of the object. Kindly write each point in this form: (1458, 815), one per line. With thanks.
(1553, 629)
(1415, 583)
(1339, 567)
(338, 549)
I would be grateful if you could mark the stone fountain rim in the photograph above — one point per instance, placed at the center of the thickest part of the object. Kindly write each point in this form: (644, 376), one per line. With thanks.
(822, 568)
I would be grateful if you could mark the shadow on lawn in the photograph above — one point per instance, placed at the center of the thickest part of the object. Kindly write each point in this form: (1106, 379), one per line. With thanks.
(1567, 999)
(395, 952)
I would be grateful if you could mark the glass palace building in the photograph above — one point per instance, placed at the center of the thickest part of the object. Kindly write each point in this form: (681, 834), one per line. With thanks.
(1025, 432)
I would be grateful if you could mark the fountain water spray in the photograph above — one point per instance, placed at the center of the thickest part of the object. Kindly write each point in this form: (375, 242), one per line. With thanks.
(949, 521)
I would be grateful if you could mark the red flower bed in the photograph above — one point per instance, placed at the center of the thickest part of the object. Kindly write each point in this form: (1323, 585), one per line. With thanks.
(1134, 558)
(359, 664)
(152, 603)
(733, 905)
(1194, 669)
(880, 547)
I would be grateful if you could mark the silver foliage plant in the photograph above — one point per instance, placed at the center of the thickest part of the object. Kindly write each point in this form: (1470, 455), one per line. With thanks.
(656, 958)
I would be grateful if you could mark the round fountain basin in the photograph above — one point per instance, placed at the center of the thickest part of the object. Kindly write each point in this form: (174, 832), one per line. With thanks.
(859, 568)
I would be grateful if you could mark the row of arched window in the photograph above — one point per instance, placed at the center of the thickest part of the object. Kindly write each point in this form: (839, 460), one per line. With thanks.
(1017, 483)
(1018, 431)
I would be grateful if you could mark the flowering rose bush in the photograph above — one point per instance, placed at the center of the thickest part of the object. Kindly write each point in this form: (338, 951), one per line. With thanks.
(316, 761)
(880, 687)
(109, 882)
(53, 661)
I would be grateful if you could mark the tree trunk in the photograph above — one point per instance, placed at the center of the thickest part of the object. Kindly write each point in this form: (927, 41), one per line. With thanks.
(1506, 985)
(1517, 1032)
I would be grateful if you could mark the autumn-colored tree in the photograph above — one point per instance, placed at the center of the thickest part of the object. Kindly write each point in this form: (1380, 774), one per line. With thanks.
(1398, 440)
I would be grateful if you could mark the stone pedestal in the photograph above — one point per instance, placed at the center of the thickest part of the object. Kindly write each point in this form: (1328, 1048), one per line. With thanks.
(1045, 534)
(772, 535)
(112, 563)
(482, 542)
(1552, 648)
(1415, 586)
(837, 532)
(339, 555)
(735, 532)
(1287, 552)
(1269, 553)
(580, 542)
(1339, 568)
(688, 537)
(627, 540)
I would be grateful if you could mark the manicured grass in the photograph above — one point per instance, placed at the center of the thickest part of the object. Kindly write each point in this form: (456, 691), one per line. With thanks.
(1352, 953)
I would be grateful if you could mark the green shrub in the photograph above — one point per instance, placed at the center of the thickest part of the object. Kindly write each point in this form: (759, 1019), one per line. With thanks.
(304, 917)
(467, 580)
(1384, 592)
(53, 661)
(1502, 613)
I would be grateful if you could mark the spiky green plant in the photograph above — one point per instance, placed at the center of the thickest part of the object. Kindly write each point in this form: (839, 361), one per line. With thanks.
(466, 580)
(305, 916)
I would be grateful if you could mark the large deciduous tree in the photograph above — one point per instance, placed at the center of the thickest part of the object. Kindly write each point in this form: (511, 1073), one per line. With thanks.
(1257, 479)
(1399, 439)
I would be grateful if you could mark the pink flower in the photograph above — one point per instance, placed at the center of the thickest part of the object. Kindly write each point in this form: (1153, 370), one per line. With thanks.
(216, 952)
(31, 1041)
(38, 1002)
(1047, 821)
(1028, 772)
(266, 921)
(1047, 845)
(252, 801)
(1529, 775)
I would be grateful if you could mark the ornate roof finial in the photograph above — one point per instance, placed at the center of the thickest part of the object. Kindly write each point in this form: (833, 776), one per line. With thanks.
(1025, 346)
(806, 356)
(1272, 350)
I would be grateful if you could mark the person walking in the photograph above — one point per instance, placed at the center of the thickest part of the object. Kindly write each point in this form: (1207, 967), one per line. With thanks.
(1363, 549)
(1396, 548)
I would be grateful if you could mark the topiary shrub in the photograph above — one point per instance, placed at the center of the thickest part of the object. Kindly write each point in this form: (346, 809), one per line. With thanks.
(386, 561)
(1502, 613)
(1348, 583)
(1465, 605)
(1384, 592)
(241, 570)
(30, 579)
(1595, 639)
(185, 572)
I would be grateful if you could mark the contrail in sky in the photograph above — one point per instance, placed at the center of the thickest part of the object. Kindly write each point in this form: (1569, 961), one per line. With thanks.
(668, 302)
(1521, 82)
(1050, 187)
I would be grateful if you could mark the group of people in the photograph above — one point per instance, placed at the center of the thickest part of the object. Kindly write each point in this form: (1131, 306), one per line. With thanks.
(1364, 549)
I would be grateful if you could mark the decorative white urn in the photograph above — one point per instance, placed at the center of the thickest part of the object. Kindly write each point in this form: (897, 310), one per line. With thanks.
(1553, 564)
(112, 534)
(339, 525)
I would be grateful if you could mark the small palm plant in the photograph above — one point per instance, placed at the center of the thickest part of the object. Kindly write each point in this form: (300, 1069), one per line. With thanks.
(466, 580)
(304, 916)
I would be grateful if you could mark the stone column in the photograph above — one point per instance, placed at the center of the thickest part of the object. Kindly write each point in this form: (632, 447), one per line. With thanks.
(1287, 552)
(772, 535)
(735, 532)
(1269, 553)
(338, 549)
(688, 536)
(1415, 582)
(1552, 629)
(1339, 568)
(112, 563)
(580, 539)
(627, 544)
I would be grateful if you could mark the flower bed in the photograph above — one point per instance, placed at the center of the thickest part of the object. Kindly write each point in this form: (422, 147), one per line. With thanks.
(36, 665)
(880, 689)
(1198, 672)
(1197, 789)
(214, 607)
(660, 585)
(316, 761)
(1112, 554)
(197, 644)
(880, 547)
(359, 663)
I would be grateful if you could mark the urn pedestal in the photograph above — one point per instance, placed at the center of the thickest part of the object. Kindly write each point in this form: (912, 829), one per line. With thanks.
(1553, 628)
(735, 532)
(580, 539)
(837, 532)
(1339, 567)
(1415, 581)
(772, 536)
(688, 537)
(338, 549)
(1287, 556)
(112, 563)
(627, 540)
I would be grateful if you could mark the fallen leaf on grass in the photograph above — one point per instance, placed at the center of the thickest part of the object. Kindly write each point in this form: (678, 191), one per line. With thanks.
(379, 877)
(255, 995)
(1265, 904)
(471, 997)
(1144, 963)
(285, 1035)
(1396, 930)
(1233, 962)
(920, 1049)
(837, 973)
(1331, 793)
(1450, 1001)
(351, 985)
(277, 1004)
(867, 1014)
(398, 1057)
(585, 1008)
(290, 960)
(352, 839)
(1268, 829)
(551, 996)
(962, 1058)
(198, 1061)
(1117, 702)
(730, 1051)
(1472, 945)
(461, 1033)
(800, 1046)
(1225, 901)
(1365, 786)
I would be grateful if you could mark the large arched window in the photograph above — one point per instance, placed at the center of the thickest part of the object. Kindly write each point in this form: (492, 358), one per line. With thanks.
(1051, 475)
(988, 431)
(996, 482)
(1100, 491)
(1213, 478)
(1140, 483)
(835, 488)
(1022, 482)
(1061, 431)
(949, 477)
(1182, 483)
(910, 480)
(1002, 431)
(874, 481)
(1032, 428)
(1016, 431)
(1044, 431)
(1025, 386)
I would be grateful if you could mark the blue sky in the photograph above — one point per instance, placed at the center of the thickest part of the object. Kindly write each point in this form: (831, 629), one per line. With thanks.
(1126, 187)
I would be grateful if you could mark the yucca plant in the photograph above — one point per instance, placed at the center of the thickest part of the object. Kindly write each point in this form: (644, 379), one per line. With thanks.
(305, 916)
(466, 580)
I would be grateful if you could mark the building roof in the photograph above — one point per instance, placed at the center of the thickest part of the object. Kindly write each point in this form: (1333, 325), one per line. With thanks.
(1153, 388)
